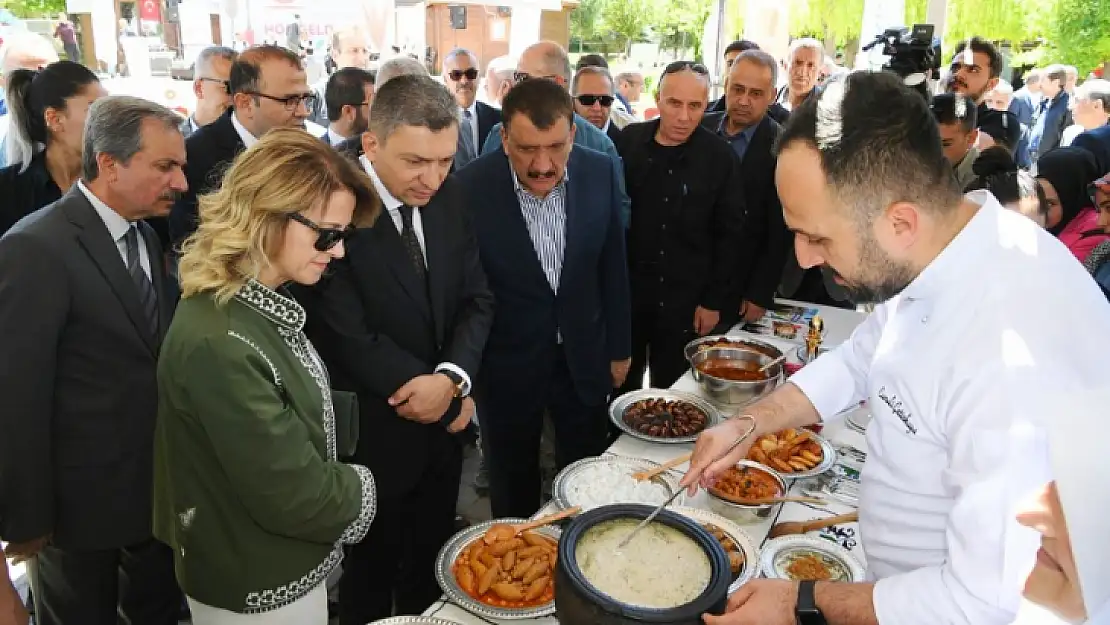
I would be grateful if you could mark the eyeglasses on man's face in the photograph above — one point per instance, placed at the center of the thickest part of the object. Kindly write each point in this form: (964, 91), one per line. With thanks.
(458, 74)
(589, 100)
(290, 102)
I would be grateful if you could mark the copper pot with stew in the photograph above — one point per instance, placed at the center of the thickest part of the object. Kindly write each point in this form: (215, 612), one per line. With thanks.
(671, 572)
(731, 375)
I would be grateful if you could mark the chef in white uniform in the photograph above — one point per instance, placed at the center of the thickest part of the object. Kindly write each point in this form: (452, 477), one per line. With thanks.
(984, 320)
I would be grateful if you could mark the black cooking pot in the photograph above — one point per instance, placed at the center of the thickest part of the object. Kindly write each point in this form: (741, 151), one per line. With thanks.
(577, 602)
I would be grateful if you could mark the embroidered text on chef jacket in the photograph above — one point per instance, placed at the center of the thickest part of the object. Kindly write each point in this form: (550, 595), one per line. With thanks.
(956, 369)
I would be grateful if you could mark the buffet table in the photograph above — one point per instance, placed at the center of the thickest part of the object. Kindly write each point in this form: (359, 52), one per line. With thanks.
(850, 443)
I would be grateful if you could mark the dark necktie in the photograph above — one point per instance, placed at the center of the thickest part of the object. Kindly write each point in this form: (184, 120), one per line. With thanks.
(412, 244)
(147, 299)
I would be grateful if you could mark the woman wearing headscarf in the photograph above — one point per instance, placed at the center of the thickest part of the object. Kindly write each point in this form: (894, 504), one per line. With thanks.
(1098, 261)
(1065, 174)
(1071, 577)
(1017, 190)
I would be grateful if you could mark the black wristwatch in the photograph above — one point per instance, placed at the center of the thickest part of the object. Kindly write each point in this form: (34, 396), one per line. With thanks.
(806, 612)
(457, 380)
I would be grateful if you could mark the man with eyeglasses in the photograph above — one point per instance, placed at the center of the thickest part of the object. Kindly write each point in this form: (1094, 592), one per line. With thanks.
(348, 96)
(269, 90)
(685, 235)
(210, 74)
(548, 60)
(592, 89)
(460, 74)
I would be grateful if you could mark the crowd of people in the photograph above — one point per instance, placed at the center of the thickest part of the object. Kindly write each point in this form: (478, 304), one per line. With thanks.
(236, 360)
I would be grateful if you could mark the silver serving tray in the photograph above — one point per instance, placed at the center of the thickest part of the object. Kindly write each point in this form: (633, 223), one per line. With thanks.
(737, 341)
(622, 403)
(738, 535)
(561, 486)
(450, 552)
(414, 620)
(828, 459)
(773, 559)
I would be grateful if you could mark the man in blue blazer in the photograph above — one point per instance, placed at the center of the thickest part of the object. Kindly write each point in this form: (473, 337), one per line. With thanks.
(546, 213)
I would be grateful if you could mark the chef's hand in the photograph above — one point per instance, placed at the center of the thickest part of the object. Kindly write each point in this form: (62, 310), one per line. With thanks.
(760, 602)
(466, 413)
(751, 312)
(21, 552)
(705, 320)
(424, 398)
(12, 611)
(619, 370)
(711, 444)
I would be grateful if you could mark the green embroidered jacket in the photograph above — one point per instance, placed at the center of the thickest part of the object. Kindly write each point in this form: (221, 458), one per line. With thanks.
(247, 489)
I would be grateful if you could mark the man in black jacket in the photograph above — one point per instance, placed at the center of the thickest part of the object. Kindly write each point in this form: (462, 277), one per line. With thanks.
(84, 304)
(402, 323)
(460, 74)
(752, 133)
(685, 233)
(268, 90)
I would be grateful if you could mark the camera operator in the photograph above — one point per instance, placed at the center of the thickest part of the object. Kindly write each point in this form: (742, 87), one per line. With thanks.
(975, 71)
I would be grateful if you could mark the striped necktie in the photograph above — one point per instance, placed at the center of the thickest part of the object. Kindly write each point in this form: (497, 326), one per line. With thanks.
(147, 297)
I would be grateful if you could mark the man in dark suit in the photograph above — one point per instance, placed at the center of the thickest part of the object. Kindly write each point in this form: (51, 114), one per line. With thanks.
(268, 90)
(402, 323)
(460, 74)
(1097, 142)
(347, 98)
(547, 216)
(1053, 115)
(752, 134)
(84, 303)
(593, 93)
(210, 74)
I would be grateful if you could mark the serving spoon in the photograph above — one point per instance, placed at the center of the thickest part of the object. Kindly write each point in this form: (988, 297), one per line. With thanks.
(643, 476)
(505, 531)
(654, 513)
(789, 528)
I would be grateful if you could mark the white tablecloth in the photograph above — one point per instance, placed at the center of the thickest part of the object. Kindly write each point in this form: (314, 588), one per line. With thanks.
(839, 324)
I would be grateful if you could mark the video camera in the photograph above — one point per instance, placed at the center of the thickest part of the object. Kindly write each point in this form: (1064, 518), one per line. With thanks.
(914, 54)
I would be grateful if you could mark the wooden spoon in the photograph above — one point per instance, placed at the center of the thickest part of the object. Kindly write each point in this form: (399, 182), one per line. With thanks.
(763, 501)
(772, 363)
(643, 476)
(505, 531)
(789, 528)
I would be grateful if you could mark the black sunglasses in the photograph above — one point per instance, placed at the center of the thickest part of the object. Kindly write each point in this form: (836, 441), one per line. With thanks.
(679, 66)
(326, 238)
(589, 100)
(457, 74)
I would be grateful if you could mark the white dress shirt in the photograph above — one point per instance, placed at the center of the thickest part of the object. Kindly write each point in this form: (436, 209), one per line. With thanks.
(244, 134)
(393, 207)
(335, 138)
(117, 228)
(957, 370)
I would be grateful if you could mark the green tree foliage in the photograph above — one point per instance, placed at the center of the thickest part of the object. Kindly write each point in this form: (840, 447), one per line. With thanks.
(827, 20)
(626, 20)
(585, 20)
(35, 8)
(1079, 32)
(680, 24)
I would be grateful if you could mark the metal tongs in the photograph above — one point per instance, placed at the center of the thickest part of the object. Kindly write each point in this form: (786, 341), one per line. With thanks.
(651, 517)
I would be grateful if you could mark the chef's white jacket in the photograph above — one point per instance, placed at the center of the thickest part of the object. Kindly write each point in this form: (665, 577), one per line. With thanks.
(956, 370)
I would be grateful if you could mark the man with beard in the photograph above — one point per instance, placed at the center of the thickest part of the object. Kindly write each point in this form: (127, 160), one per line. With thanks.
(975, 71)
(84, 304)
(957, 367)
(460, 74)
(268, 90)
(349, 48)
(347, 97)
(685, 234)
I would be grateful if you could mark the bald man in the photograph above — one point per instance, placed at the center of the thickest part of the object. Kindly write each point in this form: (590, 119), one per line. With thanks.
(548, 60)
(21, 51)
